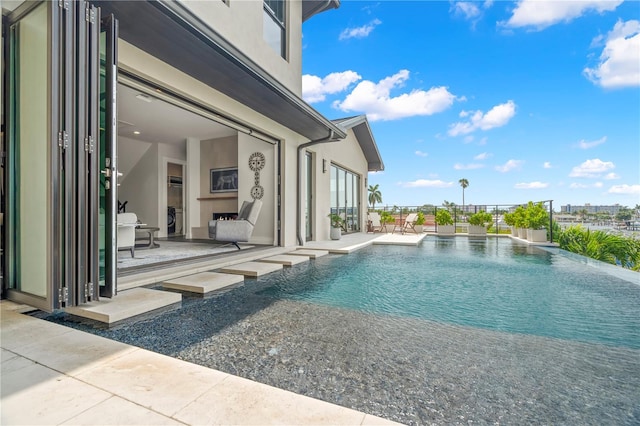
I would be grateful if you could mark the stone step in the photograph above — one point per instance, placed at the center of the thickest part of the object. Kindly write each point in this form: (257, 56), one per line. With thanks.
(313, 254)
(252, 269)
(126, 304)
(285, 259)
(204, 282)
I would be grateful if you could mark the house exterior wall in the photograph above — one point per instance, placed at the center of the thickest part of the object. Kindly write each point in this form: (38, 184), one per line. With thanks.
(348, 155)
(241, 23)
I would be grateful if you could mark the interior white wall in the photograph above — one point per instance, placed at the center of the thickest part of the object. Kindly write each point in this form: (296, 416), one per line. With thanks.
(265, 229)
(192, 186)
(140, 188)
(130, 151)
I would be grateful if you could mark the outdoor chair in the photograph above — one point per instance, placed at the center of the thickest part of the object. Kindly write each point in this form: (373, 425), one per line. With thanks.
(126, 238)
(239, 230)
(410, 223)
(375, 224)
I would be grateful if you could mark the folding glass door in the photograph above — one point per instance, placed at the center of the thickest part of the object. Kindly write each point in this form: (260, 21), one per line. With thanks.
(53, 147)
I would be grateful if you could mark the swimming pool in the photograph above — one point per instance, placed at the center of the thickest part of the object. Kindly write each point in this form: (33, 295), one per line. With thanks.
(448, 332)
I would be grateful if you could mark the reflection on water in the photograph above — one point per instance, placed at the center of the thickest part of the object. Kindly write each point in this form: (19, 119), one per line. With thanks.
(489, 283)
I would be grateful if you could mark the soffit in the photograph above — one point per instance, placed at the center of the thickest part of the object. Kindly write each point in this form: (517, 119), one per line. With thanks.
(171, 33)
(360, 126)
(313, 7)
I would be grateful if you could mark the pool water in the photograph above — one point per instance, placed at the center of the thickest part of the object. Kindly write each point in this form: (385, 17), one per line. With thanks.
(453, 331)
(493, 283)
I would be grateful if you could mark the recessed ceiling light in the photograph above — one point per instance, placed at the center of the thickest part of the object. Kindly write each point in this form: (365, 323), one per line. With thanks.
(136, 132)
(144, 98)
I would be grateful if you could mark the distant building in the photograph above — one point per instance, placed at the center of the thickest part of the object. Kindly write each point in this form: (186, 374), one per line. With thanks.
(612, 210)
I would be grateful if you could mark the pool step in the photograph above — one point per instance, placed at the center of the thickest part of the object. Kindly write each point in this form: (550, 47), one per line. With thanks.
(204, 282)
(286, 260)
(313, 254)
(126, 304)
(252, 269)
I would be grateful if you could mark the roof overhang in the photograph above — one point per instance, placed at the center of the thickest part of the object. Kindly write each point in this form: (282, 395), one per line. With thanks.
(170, 32)
(364, 136)
(313, 7)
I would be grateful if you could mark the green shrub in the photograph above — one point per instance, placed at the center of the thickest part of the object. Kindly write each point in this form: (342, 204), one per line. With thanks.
(603, 246)
(481, 218)
(420, 219)
(443, 217)
(535, 216)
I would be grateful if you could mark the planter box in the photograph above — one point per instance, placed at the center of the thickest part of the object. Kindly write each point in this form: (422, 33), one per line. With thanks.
(446, 230)
(522, 233)
(419, 228)
(335, 233)
(477, 231)
(537, 235)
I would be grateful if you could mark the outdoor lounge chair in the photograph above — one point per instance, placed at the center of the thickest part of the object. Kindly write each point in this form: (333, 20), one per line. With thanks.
(374, 222)
(239, 230)
(410, 223)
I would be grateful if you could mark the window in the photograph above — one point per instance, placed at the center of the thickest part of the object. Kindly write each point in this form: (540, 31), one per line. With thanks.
(345, 197)
(273, 29)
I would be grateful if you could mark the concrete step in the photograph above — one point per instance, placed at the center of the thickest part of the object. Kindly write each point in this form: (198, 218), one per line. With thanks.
(252, 269)
(204, 282)
(126, 304)
(313, 254)
(285, 260)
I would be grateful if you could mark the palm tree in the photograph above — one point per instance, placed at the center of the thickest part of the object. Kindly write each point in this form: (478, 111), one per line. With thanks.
(375, 196)
(463, 183)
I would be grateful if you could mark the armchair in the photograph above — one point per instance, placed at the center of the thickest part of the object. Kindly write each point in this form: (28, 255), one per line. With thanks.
(239, 230)
(127, 223)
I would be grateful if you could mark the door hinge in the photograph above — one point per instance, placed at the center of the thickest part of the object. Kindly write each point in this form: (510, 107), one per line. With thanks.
(63, 295)
(88, 144)
(90, 14)
(64, 4)
(63, 139)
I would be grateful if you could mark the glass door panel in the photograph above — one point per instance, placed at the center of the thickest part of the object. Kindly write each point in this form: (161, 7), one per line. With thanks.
(35, 141)
(108, 254)
(308, 195)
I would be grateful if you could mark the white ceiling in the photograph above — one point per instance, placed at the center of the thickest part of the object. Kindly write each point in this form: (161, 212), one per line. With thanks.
(161, 122)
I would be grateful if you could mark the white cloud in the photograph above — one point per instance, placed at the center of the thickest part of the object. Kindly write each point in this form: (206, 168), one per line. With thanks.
(497, 116)
(591, 168)
(376, 101)
(531, 185)
(467, 9)
(611, 176)
(471, 166)
(625, 189)
(547, 165)
(468, 139)
(583, 144)
(359, 32)
(422, 154)
(585, 186)
(619, 64)
(542, 14)
(482, 156)
(510, 165)
(424, 183)
(315, 89)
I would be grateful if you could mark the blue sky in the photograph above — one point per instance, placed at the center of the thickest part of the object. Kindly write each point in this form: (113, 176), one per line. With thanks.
(526, 100)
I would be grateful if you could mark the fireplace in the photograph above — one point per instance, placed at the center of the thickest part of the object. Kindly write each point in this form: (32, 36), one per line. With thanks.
(225, 216)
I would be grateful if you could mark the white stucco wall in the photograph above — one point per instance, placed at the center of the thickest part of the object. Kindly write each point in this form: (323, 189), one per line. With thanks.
(240, 22)
(348, 155)
(345, 153)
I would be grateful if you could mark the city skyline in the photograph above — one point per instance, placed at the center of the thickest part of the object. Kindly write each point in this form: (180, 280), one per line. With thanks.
(526, 100)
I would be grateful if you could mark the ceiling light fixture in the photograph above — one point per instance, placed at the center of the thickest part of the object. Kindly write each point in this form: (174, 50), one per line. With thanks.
(136, 132)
